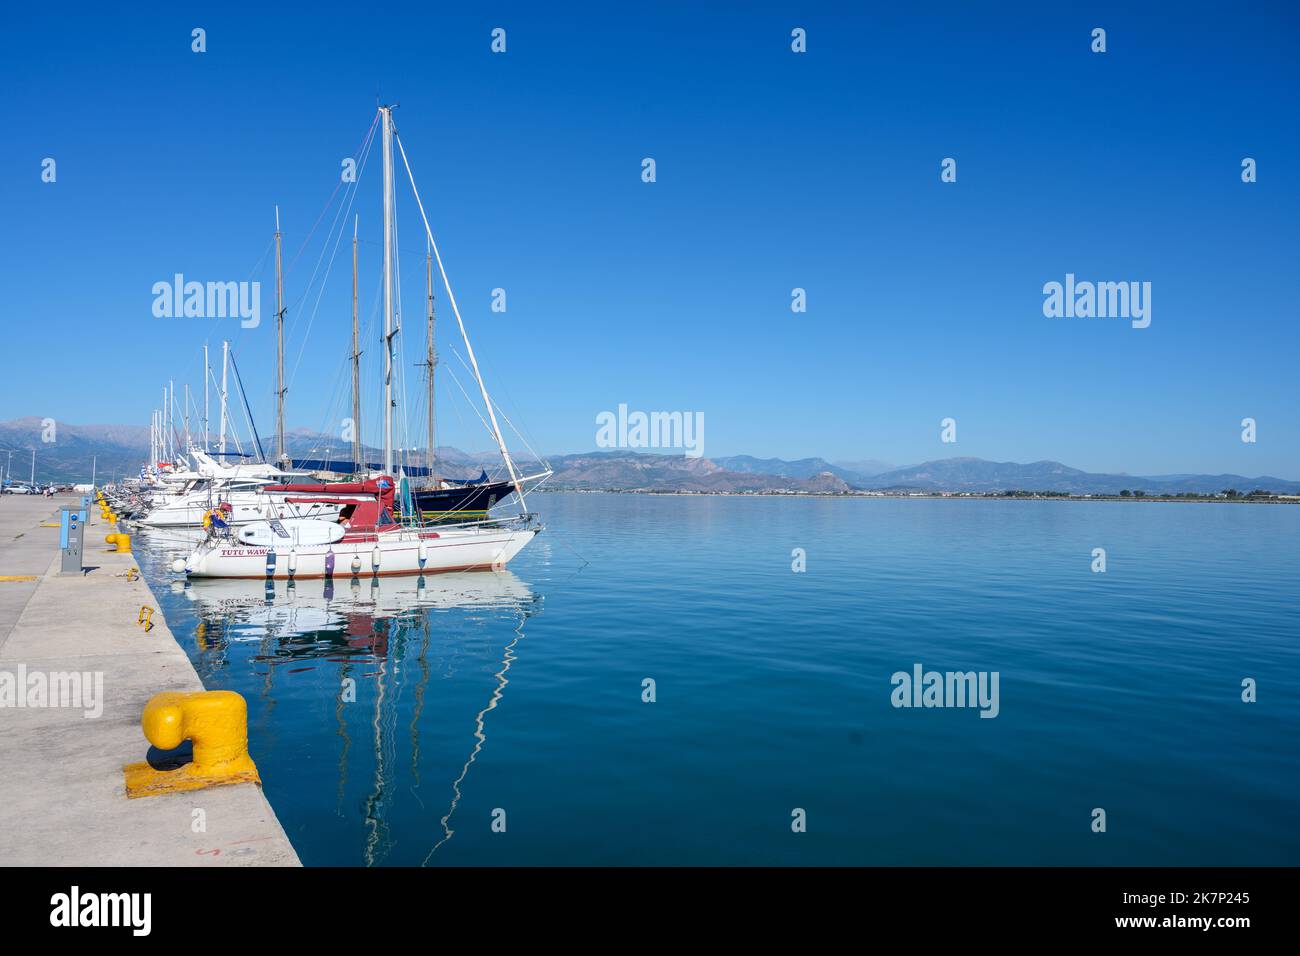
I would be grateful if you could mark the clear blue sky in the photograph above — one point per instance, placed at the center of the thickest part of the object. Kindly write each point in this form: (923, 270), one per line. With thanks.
(775, 170)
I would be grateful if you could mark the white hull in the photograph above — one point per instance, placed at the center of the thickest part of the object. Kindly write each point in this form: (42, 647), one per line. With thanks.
(389, 553)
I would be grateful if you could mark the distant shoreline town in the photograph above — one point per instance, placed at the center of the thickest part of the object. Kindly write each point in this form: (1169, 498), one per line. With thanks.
(1259, 497)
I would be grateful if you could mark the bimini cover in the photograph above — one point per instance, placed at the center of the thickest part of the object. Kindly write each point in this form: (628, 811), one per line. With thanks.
(287, 532)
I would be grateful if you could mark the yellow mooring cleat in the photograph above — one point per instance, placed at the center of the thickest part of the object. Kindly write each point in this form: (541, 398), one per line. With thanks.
(216, 721)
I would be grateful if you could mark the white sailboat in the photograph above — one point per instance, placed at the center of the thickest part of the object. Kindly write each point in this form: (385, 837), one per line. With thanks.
(184, 491)
(371, 542)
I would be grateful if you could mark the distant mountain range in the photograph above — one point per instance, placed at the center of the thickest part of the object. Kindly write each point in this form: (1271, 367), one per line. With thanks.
(854, 473)
(120, 449)
(978, 475)
(624, 470)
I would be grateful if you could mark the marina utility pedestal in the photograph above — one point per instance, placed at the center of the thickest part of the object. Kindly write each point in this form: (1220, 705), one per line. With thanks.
(72, 524)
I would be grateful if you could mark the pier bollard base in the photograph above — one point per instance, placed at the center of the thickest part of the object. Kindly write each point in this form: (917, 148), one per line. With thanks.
(144, 780)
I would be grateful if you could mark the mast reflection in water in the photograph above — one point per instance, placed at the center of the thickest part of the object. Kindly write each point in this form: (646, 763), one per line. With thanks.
(377, 692)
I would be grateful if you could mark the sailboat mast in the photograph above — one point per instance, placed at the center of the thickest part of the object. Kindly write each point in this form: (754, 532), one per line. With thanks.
(225, 365)
(469, 349)
(431, 359)
(186, 416)
(206, 374)
(279, 346)
(356, 361)
(386, 112)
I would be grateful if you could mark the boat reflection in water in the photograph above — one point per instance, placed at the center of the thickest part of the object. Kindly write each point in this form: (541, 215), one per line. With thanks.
(340, 616)
(368, 675)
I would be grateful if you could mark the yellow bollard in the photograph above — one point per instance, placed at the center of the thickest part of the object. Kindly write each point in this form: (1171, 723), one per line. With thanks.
(122, 542)
(216, 721)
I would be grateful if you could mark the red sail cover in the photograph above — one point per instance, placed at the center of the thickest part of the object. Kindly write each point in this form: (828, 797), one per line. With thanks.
(367, 514)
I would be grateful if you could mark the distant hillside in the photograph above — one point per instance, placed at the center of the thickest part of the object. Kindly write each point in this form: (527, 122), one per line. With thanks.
(630, 471)
(799, 468)
(978, 475)
(115, 449)
(866, 467)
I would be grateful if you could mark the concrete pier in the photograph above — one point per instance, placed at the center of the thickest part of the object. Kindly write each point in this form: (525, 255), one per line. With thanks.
(62, 798)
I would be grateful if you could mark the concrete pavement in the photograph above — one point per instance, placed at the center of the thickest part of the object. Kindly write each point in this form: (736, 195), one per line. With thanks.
(25, 551)
(62, 799)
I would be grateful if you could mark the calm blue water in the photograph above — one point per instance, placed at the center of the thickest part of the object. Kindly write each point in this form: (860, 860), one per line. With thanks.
(523, 691)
